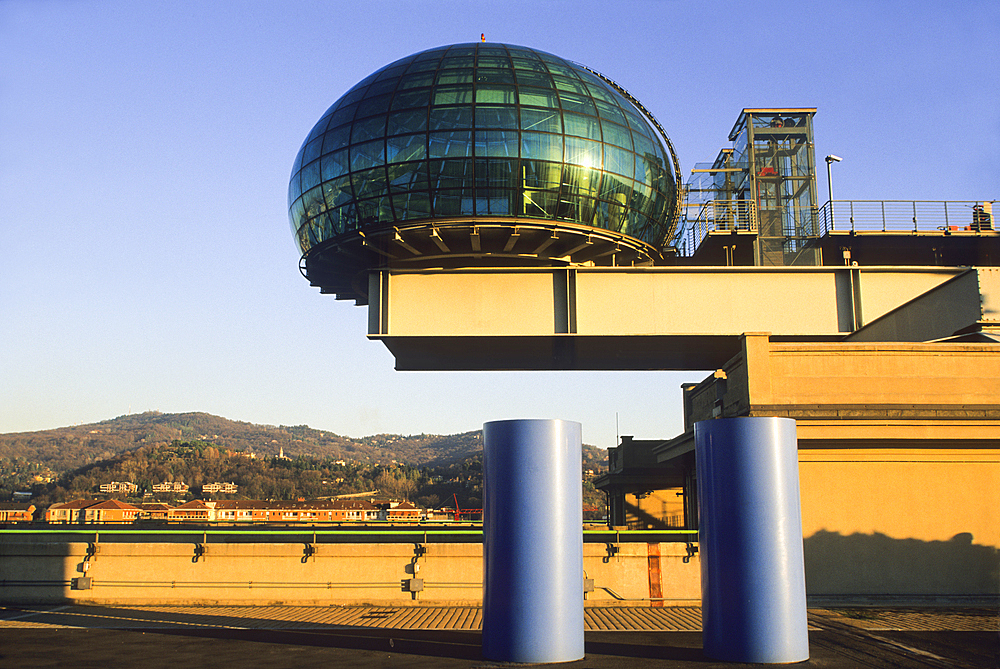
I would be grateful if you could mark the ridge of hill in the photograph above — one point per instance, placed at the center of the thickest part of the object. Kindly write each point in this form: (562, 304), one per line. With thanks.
(64, 449)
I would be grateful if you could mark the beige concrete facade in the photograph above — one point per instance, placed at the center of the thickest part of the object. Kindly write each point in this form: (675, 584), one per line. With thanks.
(36, 570)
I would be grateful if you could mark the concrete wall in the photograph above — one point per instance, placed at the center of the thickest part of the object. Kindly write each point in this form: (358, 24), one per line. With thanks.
(34, 569)
(889, 522)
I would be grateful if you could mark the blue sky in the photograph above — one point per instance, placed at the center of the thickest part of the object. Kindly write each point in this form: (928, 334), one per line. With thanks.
(145, 150)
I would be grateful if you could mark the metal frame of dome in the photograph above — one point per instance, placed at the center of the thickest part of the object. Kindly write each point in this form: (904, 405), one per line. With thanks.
(610, 201)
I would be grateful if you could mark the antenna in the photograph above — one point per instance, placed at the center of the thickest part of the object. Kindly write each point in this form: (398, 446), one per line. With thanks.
(618, 438)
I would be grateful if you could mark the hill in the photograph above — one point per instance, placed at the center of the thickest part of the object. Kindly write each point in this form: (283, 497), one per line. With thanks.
(94, 451)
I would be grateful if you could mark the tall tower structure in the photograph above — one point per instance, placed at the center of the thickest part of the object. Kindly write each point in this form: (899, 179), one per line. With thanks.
(762, 187)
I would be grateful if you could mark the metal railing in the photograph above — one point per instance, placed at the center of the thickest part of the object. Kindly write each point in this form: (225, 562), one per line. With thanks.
(906, 216)
(712, 216)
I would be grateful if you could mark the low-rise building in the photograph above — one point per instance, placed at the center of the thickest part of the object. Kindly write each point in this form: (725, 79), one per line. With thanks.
(68, 512)
(15, 512)
(111, 511)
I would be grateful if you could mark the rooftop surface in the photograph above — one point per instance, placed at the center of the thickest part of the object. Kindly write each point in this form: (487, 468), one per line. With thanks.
(444, 637)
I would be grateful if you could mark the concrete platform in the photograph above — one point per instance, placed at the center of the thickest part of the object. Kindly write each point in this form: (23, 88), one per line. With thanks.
(444, 637)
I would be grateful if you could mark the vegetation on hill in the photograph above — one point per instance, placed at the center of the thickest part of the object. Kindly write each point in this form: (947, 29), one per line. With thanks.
(198, 448)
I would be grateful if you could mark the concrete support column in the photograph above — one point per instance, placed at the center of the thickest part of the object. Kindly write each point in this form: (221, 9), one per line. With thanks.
(532, 541)
(750, 537)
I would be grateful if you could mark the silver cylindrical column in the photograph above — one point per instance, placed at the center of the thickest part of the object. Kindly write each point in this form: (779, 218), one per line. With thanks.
(750, 538)
(532, 541)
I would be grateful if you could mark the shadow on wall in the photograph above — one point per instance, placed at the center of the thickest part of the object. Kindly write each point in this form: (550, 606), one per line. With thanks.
(875, 564)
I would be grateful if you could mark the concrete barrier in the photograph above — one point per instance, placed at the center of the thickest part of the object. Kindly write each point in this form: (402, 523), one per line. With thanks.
(35, 569)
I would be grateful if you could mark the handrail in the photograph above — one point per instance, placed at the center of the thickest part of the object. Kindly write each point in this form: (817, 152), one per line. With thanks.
(956, 216)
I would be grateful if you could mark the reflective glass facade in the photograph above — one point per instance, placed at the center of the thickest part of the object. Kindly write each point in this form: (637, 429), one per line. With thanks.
(482, 130)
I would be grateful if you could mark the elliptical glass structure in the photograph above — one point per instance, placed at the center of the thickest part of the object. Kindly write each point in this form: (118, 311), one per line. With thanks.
(482, 135)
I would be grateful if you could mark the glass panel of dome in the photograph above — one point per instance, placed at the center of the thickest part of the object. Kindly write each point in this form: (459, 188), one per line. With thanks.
(408, 177)
(494, 76)
(406, 148)
(541, 175)
(496, 117)
(493, 94)
(407, 99)
(615, 188)
(343, 114)
(457, 62)
(452, 77)
(338, 191)
(375, 210)
(636, 122)
(571, 85)
(493, 62)
(540, 203)
(581, 180)
(539, 79)
(496, 203)
(541, 120)
(560, 68)
(367, 155)
(373, 106)
(521, 52)
(368, 129)
(380, 87)
(497, 143)
(447, 118)
(450, 174)
(310, 175)
(430, 54)
(296, 211)
(617, 135)
(527, 66)
(294, 187)
(348, 216)
(452, 144)
(370, 182)
(644, 145)
(577, 103)
(312, 150)
(497, 173)
(542, 146)
(582, 126)
(334, 164)
(352, 96)
(600, 92)
(611, 112)
(337, 138)
(453, 203)
(536, 97)
(411, 81)
(423, 66)
(410, 206)
(584, 152)
(413, 120)
(453, 96)
(619, 161)
(391, 72)
(313, 203)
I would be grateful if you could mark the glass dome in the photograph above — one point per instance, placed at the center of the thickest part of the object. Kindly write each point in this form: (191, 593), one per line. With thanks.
(483, 132)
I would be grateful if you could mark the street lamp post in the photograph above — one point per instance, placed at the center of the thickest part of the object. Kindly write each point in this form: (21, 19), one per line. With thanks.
(830, 160)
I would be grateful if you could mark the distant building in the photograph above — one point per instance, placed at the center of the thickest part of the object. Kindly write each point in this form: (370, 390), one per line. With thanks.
(126, 487)
(171, 486)
(214, 488)
(110, 511)
(68, 512)
(395, 512)
(14, 512)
